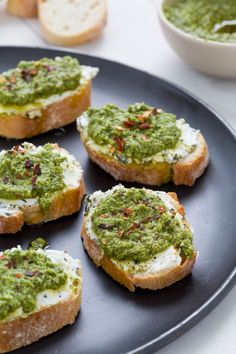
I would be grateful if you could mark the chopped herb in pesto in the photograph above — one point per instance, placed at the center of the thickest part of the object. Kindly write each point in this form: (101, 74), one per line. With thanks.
(24, 174)
(136, 133)
(38, 243)
(23, 275)
(135, 225)
(199, 18)
(32, 80)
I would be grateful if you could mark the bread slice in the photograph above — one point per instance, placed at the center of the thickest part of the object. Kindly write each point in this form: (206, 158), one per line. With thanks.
(56, 111)
(56, 310)
(15, 213)
(162, 271)
(72, 22)
(22, 8)
(155, 170)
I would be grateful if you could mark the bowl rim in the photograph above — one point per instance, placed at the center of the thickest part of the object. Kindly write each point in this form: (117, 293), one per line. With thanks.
(187, 35)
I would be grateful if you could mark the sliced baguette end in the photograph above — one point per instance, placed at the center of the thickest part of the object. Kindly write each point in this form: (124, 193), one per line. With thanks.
(22, 8)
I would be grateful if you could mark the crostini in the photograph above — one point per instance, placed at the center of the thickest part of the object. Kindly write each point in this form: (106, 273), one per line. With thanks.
(38, 184)
(40, 293)
(38, 96)
(143, 144)
(139, 237)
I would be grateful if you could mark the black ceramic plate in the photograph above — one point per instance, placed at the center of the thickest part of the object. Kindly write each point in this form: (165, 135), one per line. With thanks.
(113, 320)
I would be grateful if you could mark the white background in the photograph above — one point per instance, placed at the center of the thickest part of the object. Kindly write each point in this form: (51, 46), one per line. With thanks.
(133, 36)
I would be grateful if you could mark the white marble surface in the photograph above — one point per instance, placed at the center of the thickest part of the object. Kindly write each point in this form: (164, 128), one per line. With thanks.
(133, 36)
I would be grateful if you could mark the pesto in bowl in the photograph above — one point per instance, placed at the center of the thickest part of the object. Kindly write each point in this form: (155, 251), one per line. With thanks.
(212, 20)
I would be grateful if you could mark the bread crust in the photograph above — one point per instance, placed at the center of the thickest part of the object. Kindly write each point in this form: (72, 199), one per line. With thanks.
(64, 203)
(22, 8)
(185, 171)
(71, 40)
(23, 331)
(55, 115)
(131, 281)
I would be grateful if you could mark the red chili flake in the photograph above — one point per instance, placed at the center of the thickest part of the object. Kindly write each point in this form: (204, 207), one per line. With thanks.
(18, 176)
(25, 74)
(33, 72)
(127, 211)
(18, 148)
(5, 179)
(34, 180)
(144, 137)
(161, 210)
(135, 226)
(103, 216)
(26, 174)
(128, 123)
(28, 163)
(37, 170)
(49, 68)
(9, 265)
(120, 142)
(144, 126)
(18, 275)
(121, 233)
(14, 264)
(2, 257)
(13, 80)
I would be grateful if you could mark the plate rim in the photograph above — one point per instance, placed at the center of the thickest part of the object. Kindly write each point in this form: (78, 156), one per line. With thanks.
(202, 311)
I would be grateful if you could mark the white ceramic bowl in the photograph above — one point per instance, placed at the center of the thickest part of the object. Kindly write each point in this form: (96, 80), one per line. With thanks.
(213, 58)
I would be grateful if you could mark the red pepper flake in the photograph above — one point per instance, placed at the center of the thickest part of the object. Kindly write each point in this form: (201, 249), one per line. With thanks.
(28, 163)
(5, 180)
(34, 180)
(49, 68)
(9, 265)
(121, 233)
(135, 226)
(33, 72)
(2, 257)
(127, 211)
(37, 170)
(129, 123)
(18, 275)
(18, 148)
(103, 216)
(144, 126)
(161, 210)
(13, 79)
(144, 137)
(18, 176)
(120, 142)
(14, 264)
(25, 74)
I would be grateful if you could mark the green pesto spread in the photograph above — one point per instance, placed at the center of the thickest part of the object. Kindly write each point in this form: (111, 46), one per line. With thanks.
(136, 133)
(31, 175)
(135, 225)
(37, 244)
(32, 80)
(24, 274)
(199, 18)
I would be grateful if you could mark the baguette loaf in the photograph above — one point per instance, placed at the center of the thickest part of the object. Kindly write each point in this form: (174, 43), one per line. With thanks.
(162, 270)
(181, 165)
(22, 8)
(72, 22)
(54, 308)
(15, 212)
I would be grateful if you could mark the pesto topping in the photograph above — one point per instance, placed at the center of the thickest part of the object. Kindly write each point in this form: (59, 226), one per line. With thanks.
(136, 225)
(32, 80)
(38, 243)
(30, 173)
(202, 17)
(136, 133)
(24, 274)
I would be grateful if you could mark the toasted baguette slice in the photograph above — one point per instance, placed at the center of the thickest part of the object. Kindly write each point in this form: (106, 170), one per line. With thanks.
(14, 213)
(162, 271)
(53, 311)
(22, 8)
(56, 111)
(192, 156)
(72, 22)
